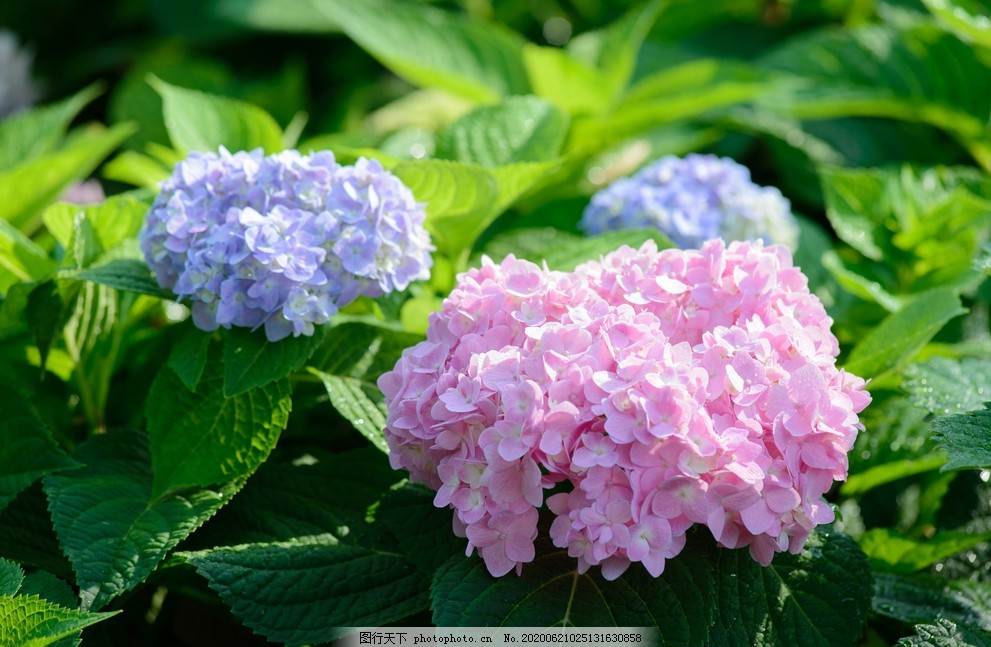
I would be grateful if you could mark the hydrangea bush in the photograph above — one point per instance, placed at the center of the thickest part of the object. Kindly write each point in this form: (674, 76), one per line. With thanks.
(282, 241)
(691, 200)
(666, 388)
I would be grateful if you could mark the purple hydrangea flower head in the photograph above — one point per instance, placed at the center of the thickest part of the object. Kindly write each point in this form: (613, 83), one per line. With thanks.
(691, 200)
(282, 241)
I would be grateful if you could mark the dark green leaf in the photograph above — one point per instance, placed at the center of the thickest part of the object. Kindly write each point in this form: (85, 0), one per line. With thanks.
(203, 438)
(108, 523)
(48, 587)
(520, 129)
(706, 595)
(11, 577)
(198, 121)
(920, 598)
(250, 360)
(359, 402)
(903, 333)
(189, 355)
(48, 308)
(945, 633)
(422, 530)
(27, 450)
(125, 274)
(304, 591)
(361, 351)
(26, 533)
(966, 437)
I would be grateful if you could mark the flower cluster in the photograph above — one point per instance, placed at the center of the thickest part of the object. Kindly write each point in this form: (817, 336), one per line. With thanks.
(653, 390)
(282, 241)
(17, 90)
(691, 200)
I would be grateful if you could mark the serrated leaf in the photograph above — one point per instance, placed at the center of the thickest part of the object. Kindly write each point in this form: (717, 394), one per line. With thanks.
(423, 44)
(706, 595)
(11, 577)
(197, 121)
(889, 549)
(565, 251)
(251, 360)
(919, 598)
(966, 18)
(965, 438)
(945, 386)
(26, 533)
(887, 71)
(203, 438)
(48, 587)
(903, 333)
(304, 591)
(31, 133)
(520, 129)
(359, 402)
(27, 450)
(26, 188)
(108, 523)
(21, 259)
(361, 351)
(29, 621)
(125, 274)
(945, 633)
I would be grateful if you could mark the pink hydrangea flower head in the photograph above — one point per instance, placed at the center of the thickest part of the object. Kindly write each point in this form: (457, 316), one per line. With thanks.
(660, 389)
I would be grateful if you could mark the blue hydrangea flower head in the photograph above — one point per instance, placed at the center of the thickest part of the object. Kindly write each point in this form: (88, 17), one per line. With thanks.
(691, 200)
(282, 241)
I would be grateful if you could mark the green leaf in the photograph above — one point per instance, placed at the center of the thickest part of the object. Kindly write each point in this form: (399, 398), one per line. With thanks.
(29, 621)
(109, 525)
(198, 121)
(945, 633)
(920, 598)
(25, 189)
(361, 351)
(887, 71)
(21, 259)
(433, 543)
(189, 355)
(134, 168)
(459, 197)
(359, 402)
(26, 533)
(117, 219)
(48, 308)
(965, 438)
(305, 591)
(129, 275)
(706, 595)
(903, 333)
(520, 129)
(945, 386)
(888, 472)
(423, 44)
(203, 438)
(31, 133)
(11, 577)
(314, 495)
(564, 251)
(27, 450)
(966, 18)
(888, 549)
(48, 587)
(565, 81)
(251, 360)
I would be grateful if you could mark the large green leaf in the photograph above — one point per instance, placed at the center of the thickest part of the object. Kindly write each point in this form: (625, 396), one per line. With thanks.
(433, 543)
(425, 45)
(29, 621)
(304, 591)
(903, 333)
(946, 386)
(889, 549)
(706, 595)
(520, 129)
(30, 133)
(27, 187)
(26, 533)
(129, 275)
(203, 438)
(968, 19)
(945, 633)
(359, 402)
(915, 73)
(361, 351)
(250, 360)
(117, 219)
(109, 525)
(564, 251)
(920, 598)
(966, 437)
(21, 259)
(198, 121)
(27, 450)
